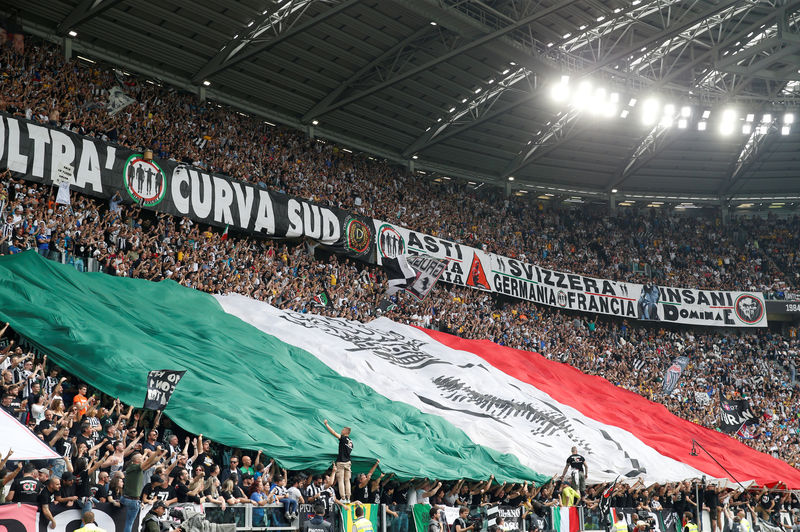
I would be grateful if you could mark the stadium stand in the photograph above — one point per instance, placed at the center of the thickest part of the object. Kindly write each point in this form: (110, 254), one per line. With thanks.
(123, 240)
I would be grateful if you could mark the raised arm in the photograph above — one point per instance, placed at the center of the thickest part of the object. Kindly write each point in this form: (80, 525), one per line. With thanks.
(372, 470)
(333, 432)
(152, 459)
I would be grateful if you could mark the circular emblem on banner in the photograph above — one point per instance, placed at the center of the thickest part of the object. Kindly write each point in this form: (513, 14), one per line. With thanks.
(144, 180)
(390, 242)
(749, 308)
(561, 297)
(358, 235)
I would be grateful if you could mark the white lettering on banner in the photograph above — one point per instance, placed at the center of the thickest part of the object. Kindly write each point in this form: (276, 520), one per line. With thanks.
(244, 201)
(17, 162)
(63, 152)
(331, 231)
(295, 219)
(223, 198)
(89, 167)
(265, 215)
(202, 197)
(40, 137)
(181, 182)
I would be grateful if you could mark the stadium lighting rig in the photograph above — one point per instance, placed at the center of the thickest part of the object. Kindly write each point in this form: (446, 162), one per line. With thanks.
(653, 111)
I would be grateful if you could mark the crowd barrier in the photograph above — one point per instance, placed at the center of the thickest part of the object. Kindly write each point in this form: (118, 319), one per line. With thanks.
(246, 517)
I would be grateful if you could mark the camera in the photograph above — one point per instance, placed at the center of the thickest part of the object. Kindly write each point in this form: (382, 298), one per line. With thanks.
(476, 521)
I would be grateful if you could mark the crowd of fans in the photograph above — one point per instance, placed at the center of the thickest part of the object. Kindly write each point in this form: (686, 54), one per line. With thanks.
(100, 438)
(698, 252)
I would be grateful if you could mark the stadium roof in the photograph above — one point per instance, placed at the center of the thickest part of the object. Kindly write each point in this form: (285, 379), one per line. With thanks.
(463, 87)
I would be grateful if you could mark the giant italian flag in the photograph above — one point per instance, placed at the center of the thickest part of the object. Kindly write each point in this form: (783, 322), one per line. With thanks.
(426, 403)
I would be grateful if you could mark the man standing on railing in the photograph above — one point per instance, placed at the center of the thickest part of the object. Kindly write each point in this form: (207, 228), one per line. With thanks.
(343, 465)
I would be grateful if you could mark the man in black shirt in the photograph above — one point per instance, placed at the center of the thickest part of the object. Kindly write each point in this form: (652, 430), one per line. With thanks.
(47, 497)
(26, 489)
(204, 459)
(578, 465)
(66, 495)
(343, 469)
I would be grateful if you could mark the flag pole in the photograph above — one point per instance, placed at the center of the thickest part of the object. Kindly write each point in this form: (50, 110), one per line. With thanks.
(695, 442)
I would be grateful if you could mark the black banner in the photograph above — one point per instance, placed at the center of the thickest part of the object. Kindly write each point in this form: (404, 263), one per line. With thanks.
(42, 154)
(161, 384)
(733, 413)
(783, 307)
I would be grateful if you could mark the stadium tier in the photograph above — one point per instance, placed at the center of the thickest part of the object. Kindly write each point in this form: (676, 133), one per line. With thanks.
(350, 322)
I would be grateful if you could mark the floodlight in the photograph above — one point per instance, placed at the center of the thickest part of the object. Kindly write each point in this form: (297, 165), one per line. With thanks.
(750, 117)
(766, 119)
(624, 113)
(682, 123)
(729, 115)
(701, 126)
(73, 33)
(565, 80)
(746, 129)
(559, 92)
(686, 111)
(609, 109)
(706, 114)
(785, 130)
(788, 118)
(632, 102)
(726, 128)
(650, 111)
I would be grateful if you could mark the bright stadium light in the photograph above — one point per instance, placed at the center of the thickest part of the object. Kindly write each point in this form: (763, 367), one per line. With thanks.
(701, 126)
(788, 118)
(686, 111)
(624, 113)
(766, 119)
(746, 129)
(632, 102)
(750, 117)
(729, 115)
(726, 128)
(785, 130)
(682, 123)
(650, 111)
(582, 96)
(706, 114)
(560, 91)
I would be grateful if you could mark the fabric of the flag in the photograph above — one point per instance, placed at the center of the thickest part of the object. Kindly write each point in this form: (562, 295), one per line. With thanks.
(566, 519)
(673, 374)
(422, 516)
(244, 388)
(735, 414)
(416, 274)
(225, 233)
(26, 445)
(117, 101)
(399, 273)
(426, 403)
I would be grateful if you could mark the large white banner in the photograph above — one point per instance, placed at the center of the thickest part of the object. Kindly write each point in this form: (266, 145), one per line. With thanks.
(493, 408)
(467, 266)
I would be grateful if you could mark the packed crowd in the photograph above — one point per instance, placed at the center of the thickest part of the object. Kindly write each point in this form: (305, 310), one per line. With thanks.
(114, 454)
(698, 252)
(126, 241)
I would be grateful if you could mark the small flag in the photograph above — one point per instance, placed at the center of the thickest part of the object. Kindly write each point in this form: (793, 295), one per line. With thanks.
(415, 274)
(225, 233)
(386, 305)
(322, 299)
